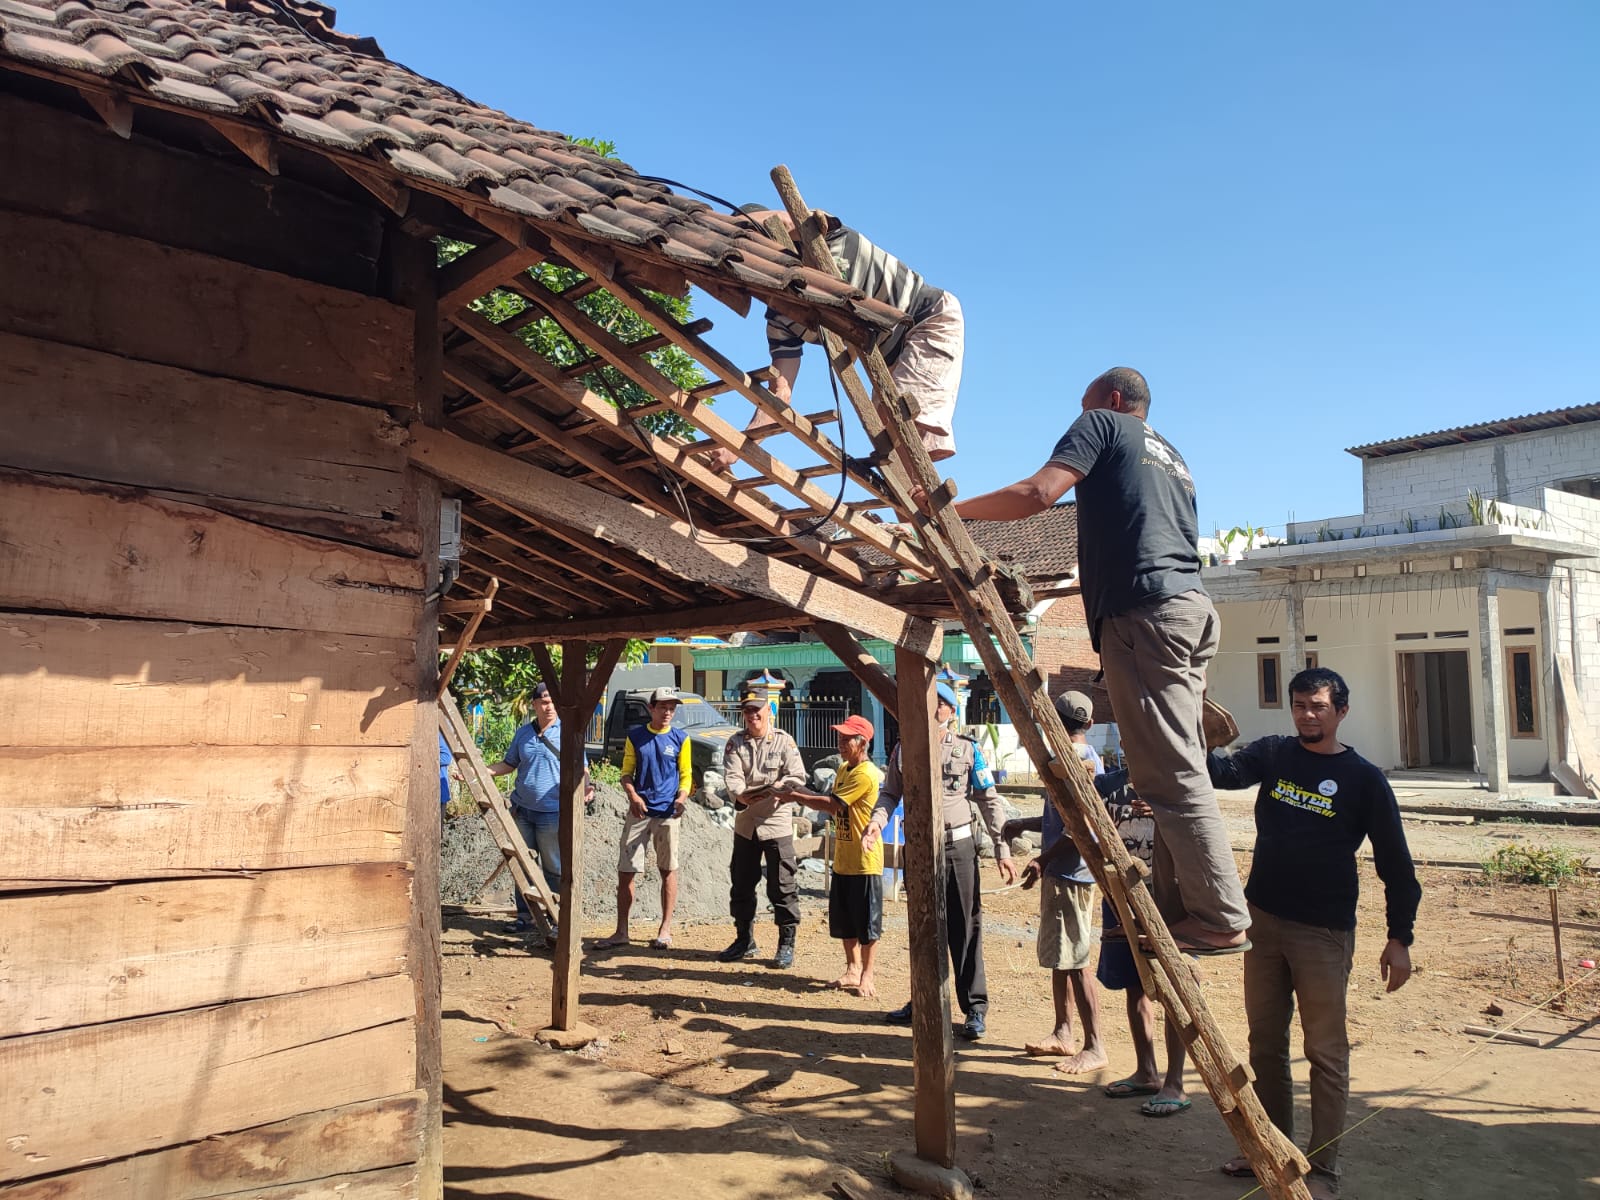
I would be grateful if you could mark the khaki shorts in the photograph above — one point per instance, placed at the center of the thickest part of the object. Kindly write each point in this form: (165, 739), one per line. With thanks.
(928, 371)
(1066, 924)
(636, 834)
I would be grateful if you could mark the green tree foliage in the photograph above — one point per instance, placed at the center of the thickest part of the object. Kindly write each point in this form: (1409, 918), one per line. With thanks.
(551, 341)
(503, 679)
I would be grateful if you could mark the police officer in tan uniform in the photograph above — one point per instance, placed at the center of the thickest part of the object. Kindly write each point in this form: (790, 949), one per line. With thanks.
(963, 778)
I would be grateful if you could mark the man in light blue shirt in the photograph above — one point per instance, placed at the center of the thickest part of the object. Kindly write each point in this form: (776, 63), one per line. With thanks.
(535, 755)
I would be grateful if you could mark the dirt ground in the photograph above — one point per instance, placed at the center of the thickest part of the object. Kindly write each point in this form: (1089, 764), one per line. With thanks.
(772, 1075)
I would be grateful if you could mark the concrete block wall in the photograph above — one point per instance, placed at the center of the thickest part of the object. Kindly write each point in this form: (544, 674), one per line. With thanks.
(1509, 468)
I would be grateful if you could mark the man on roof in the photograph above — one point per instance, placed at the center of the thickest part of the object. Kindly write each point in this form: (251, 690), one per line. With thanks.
(924, 357)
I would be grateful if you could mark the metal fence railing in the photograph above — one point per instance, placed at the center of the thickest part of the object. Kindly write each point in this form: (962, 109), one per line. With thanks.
(809, 722)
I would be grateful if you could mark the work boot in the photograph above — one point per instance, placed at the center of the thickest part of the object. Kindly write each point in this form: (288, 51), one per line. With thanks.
(743, 945)
(784, 959)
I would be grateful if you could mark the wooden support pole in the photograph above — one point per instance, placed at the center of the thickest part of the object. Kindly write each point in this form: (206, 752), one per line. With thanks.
(548, 674)
(860, 664)
(580, 689)
(932, 1047)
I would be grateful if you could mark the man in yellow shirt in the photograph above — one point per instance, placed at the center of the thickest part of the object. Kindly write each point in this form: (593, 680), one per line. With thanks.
(855, 901)
(657, 776)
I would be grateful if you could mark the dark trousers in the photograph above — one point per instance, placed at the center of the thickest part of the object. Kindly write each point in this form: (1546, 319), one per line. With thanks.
(963, 905)
(745, 870)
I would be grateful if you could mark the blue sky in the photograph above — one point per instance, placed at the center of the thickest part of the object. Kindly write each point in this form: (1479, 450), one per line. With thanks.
(1309, 226)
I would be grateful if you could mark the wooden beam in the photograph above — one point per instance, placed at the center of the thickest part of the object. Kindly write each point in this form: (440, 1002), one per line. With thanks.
(762, 511)
(932, 1049)
(860, 664)
(548, 675)
(671, 545)
(482, 269)
(256, 144)
(464, 642)
(113, 108)
(590, 547)
(714, 618)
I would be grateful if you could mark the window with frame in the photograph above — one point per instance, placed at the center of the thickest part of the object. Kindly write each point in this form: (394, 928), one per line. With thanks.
(1522, 692)
(1269, 680)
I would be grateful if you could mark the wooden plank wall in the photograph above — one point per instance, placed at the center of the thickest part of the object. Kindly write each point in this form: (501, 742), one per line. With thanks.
(212, 569)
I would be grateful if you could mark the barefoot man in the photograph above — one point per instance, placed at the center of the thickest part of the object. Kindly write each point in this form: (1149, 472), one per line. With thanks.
(855, 900)
(1066, 912)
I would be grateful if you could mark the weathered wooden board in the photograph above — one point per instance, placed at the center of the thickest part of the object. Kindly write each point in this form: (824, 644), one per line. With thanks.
(69, 283)
(74, 682)
(86, 957)
(389, 1184)
(99, 416)
(60, 164)
(105, 550)
(369, 1136)
(246, 809)
(112, 1090)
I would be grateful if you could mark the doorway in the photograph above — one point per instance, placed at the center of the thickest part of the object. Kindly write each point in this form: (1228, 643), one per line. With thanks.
(1435, 708)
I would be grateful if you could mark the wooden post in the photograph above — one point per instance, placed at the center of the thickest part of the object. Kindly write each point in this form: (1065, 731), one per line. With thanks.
(580, 689)
(1555, 925)
(410, 282)
(932, 1047)
(569, 935)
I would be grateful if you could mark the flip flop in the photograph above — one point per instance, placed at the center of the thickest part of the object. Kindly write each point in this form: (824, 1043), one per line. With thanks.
(661, 943)
(1243, 1170)
(1165, 1108)
(610, 944)
(1123, 1088)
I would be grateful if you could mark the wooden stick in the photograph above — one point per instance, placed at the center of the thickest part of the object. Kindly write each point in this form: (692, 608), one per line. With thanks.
(1586, 926)
(1503, 1035)
(1555, 925)
(464, 642)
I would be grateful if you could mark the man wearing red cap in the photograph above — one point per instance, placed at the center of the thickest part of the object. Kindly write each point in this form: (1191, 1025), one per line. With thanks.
(855, 899)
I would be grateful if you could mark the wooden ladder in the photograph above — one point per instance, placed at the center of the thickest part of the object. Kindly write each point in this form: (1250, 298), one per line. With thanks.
(888, 418)
(526, 875)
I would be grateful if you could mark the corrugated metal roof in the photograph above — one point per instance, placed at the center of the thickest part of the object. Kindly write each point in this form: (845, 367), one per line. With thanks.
(1554, 418)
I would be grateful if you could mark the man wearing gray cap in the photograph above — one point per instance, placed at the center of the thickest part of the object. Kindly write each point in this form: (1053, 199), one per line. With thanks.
(963, 776)
(760, 760)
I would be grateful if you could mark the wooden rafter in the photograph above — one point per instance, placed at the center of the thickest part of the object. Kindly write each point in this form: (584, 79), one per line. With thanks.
(672, 545)
(746, 615)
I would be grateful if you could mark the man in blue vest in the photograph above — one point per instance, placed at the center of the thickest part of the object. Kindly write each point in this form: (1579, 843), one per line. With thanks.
(657, 776)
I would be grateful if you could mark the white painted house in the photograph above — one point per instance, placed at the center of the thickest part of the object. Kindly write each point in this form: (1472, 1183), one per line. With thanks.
(1447, 604)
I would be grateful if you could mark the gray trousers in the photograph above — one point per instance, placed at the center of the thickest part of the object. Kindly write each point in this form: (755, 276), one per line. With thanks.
(1155, 660)
(1290, 961)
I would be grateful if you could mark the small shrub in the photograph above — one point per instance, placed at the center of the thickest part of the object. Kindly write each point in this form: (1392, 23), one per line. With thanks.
(605, 771)
(1548, 866)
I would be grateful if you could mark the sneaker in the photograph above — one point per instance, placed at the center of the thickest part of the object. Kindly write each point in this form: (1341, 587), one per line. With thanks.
(900, 1016)
(972, 1028)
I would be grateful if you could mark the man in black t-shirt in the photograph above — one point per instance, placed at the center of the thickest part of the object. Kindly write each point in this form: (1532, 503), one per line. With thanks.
(1319, 800)
(1155, 630)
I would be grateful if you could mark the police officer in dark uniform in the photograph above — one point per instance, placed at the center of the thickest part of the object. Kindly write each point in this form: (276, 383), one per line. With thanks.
(963, 778)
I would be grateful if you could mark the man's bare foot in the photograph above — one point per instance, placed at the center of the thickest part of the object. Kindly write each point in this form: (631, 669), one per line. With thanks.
(1082, 1062)
(847, 981)
(1051, 1047)
(613, 942)
(867, 989)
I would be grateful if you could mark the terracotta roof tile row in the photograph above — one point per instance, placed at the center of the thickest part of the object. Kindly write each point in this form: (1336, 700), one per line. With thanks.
(1044, 545)
(284, 66)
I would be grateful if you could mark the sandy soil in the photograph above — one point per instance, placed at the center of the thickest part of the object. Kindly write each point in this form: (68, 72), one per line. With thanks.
(1443, 1114)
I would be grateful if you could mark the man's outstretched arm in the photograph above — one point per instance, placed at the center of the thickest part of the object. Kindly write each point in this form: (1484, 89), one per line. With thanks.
(1021, 499)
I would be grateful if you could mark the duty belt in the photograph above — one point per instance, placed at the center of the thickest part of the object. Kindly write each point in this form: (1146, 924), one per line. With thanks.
(958, 833)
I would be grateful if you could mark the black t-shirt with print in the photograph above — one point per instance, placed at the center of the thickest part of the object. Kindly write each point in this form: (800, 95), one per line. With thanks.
(1312, 814)
(1137, 524)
